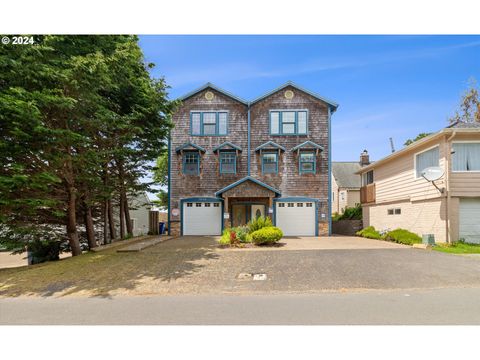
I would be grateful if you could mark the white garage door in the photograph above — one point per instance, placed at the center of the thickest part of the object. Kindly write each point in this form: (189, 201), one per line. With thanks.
(202, 218)
(296, 218)
(470, 220)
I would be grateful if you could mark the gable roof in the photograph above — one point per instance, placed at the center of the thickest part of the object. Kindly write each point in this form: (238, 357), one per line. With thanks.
(345, 175)
(308, 145)
(225, 144)
(247, 178)
(270, 145)
(463, 125)
(216, 88)
(333, 105)
(188, 145)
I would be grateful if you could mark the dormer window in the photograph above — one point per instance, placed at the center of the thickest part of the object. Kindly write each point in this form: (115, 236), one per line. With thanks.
(228, 162)
(288, 122)
(307, 162)
(191, 163)
(209, 123)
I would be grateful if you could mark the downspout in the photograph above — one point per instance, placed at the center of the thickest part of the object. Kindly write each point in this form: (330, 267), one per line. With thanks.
(448, 151)
(248, 140)
(329, 173)
(169, 186)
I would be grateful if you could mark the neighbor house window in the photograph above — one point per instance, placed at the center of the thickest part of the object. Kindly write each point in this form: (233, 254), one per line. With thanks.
(367, 178)
(466, 157)
(228, 162)
(191, 163)
(426, 159)
(288, 122)
(209, 123)
(307, 163)
(269, 163)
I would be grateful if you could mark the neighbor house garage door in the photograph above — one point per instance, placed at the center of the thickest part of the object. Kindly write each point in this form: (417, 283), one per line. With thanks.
(202, 218)
(470, 220)
(296, 218)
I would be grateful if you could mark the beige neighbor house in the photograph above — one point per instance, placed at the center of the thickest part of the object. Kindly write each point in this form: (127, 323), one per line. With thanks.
(346, 183)
(395, 195)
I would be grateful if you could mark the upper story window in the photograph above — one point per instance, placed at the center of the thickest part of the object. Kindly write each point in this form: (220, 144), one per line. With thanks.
(269, 163)
(466, 156)
(367, 178)
(426, 159)
(228, 162)
(288, 122)
(209, 123)
(307, 162)
(191, 163)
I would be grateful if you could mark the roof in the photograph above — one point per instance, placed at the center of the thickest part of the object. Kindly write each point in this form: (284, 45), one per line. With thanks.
(462, 125)
(416, 144)
(345, 175)
(270, 145)
(216, 88)
(227, 144)
(308, 145)
(247, 178)
(332, 104)
(188, 145)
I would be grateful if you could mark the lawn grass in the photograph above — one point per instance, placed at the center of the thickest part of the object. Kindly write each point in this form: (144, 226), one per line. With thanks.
(458, 248)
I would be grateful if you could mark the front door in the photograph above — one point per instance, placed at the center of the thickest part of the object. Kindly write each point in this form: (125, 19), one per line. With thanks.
(243, 213)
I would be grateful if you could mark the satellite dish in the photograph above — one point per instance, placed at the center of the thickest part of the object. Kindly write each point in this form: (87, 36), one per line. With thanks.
(432, 173)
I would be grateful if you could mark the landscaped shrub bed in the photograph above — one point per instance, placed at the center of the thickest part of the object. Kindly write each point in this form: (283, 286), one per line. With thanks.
(400, 236)
(259, 231)
(354, 213)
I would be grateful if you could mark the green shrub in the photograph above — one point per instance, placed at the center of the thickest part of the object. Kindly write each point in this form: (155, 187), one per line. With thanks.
(267, 235)
(259, 223)
(369, 232)
(354, 213)
(403, 236)
(225, 239)
(234, 236)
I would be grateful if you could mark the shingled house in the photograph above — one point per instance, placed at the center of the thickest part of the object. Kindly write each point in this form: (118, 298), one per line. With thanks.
(232, 160)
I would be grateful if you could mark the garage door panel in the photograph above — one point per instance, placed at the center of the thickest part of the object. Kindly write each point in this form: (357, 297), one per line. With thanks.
(201, 218)
(298, 219)
(470, 220)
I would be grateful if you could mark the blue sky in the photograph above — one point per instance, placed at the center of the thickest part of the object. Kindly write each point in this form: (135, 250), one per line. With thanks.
(387, 86)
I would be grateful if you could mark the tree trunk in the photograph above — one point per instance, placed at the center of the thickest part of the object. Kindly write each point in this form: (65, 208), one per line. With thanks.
(72, 222)
(111, 220)
(105, 223)
(124, 210)
(92, 243)
(127, 215)
(122, 219)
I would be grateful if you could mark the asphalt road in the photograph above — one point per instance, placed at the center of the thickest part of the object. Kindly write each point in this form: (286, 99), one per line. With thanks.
(433, 307)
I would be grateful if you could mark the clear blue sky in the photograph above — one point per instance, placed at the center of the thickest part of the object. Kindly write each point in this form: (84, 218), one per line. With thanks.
(387, 86)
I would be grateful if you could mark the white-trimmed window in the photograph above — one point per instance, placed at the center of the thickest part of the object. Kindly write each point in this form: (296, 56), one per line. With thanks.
(288, 122)
(425, 159)
(367, 178)
(466, 156)
(209, 123)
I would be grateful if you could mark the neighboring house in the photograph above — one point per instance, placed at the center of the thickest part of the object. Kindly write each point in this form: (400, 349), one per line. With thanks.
(346, 183)
(395, 195)
(140, 206)
(232, 160)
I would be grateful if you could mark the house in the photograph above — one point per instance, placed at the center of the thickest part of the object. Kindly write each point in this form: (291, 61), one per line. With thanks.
(231, 160)
(346, 183)
(140, 206)
(394, 194)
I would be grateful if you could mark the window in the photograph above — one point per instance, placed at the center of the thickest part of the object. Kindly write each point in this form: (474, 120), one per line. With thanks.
(398, 211)
(290, 205)
(426, 159)
(228, 162)
(466, 157)
(299, 204)
(394, 211)
(191, 163)
(307, 163)
(207, 204)
(288, 122)
(216, 204)
(309, 204)
(269, 163)
(281, 205)
(342, 195)
(189, 204)
(367, 178)
(198, 204)
(390, 211)
(209, 123)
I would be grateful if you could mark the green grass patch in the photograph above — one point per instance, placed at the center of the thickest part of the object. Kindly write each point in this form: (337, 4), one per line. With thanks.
(458, 247)
(403, 236)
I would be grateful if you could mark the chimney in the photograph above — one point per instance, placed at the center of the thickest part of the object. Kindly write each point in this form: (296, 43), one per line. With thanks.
(364, 158)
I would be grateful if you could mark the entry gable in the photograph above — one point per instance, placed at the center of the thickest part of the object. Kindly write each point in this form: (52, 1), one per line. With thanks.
(248, 187)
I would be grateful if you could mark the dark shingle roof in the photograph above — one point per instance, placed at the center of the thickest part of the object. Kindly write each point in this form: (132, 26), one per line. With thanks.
(344, 174)
(462, 125)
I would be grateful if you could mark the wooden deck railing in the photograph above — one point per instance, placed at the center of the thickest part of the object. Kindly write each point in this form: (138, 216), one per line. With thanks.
(367, 194)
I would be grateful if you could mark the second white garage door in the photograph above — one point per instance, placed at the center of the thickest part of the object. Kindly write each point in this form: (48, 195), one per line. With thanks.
(296, 218)
(470, 220)
(202, 218)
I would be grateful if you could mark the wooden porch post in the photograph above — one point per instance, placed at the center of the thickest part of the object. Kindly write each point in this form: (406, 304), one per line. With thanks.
(225, 211)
